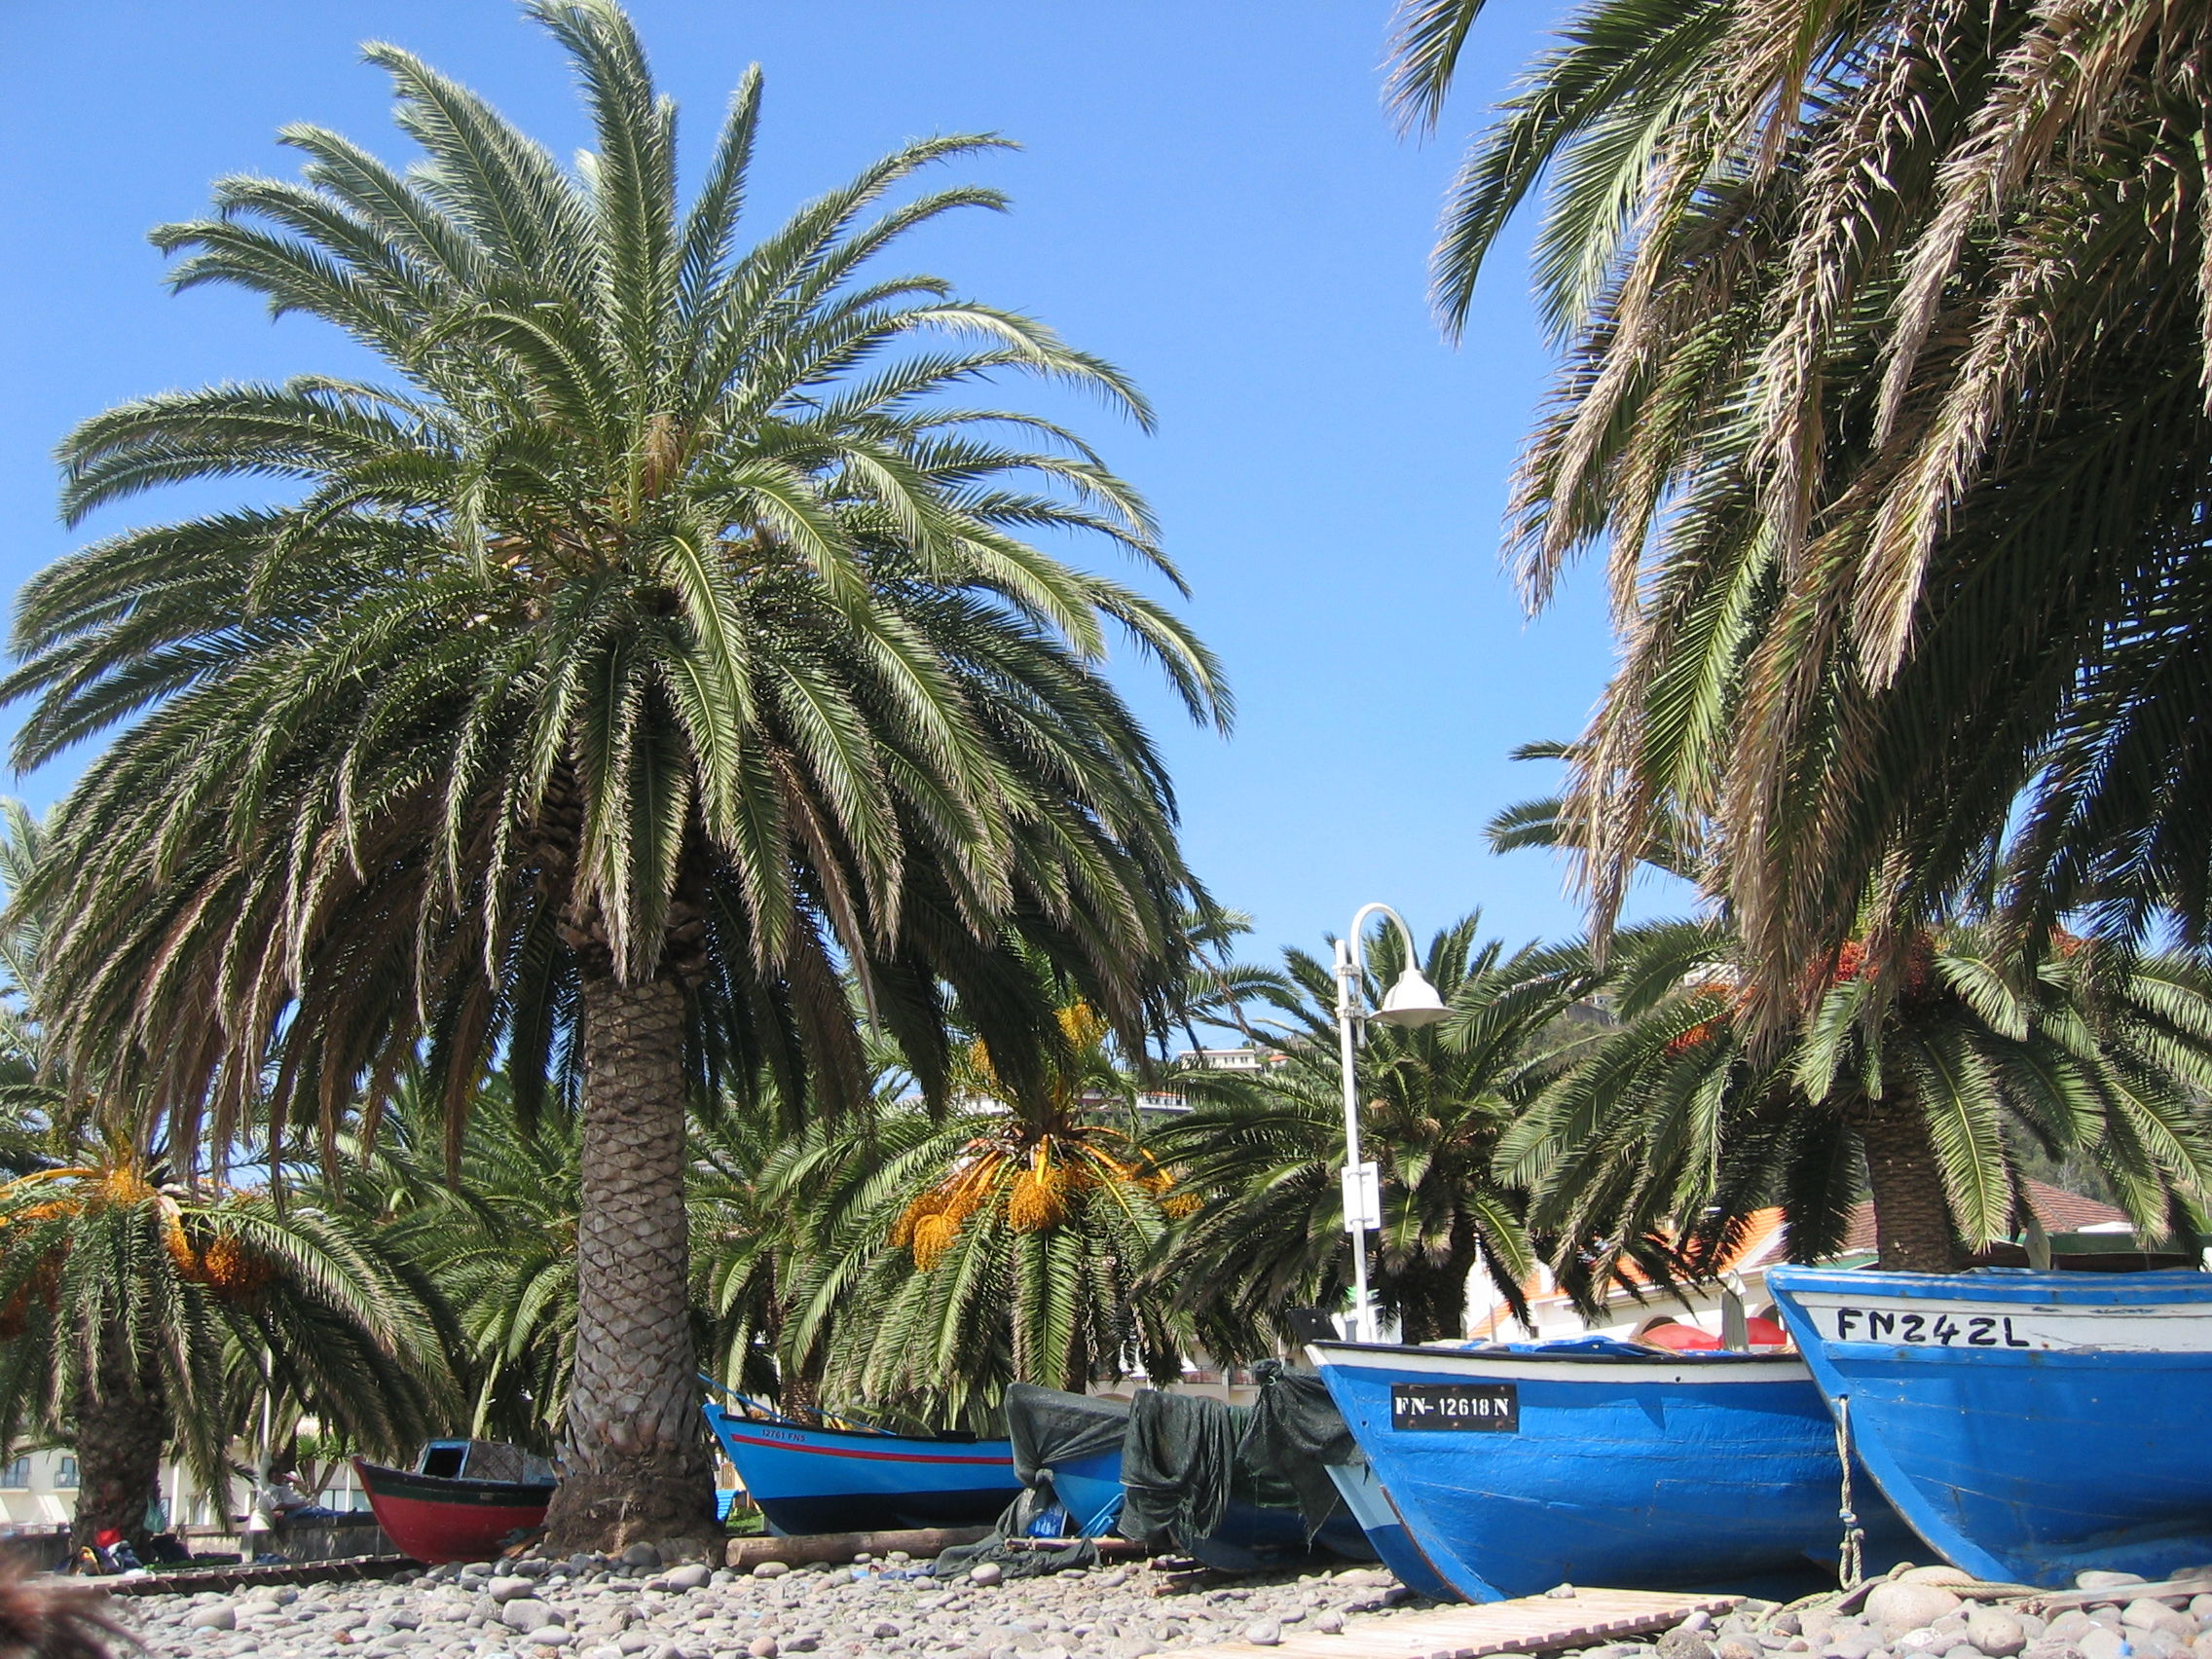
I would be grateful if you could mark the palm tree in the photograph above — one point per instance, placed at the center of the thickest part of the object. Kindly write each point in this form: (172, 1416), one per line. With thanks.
(1000, 1243)
(1264, 1147)
(1687, 1116)
(42, 1113)
(494, 1233)
(659, 646)
(137, 1314)
(1885, 343)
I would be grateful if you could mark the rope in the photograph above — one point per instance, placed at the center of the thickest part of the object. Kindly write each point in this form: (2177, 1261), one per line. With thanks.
(1851, 1565)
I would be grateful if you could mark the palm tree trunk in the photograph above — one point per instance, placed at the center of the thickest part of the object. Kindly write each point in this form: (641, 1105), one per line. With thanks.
(635, 1451)
(1912, 1217)
(1432, 1301)
(121, 1427)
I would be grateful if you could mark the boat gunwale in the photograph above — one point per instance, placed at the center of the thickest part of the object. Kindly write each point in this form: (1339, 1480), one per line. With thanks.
(723, 1414)
(527, 1490)
(2025, 1286)
(1723, 1365)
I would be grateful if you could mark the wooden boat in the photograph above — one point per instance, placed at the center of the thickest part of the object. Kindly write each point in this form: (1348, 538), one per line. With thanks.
(809, 1479)
(2027, 1424)
(1079, 1441)
(1385, 1532)
(461, 1501)
(1598, 1463)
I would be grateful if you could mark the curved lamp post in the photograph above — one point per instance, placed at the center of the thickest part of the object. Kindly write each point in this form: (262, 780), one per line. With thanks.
(1411, 1003)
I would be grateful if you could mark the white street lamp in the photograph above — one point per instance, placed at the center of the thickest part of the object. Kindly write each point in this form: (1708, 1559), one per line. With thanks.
(1411, 1003)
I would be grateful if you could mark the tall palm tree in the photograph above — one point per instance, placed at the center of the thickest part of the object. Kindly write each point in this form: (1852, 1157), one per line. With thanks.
(1264, 1147)
(135, 1312)
(1885, 344)
(660, 644)
(1688, 1115)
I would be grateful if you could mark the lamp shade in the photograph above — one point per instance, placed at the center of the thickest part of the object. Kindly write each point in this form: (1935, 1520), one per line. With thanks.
(1411, 1002)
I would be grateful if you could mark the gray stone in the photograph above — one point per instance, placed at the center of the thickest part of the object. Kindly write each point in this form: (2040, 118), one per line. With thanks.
(762, 1647)
(1855, 1642)
(2070, 1626)
(1685, 1645)
(2050, 1648)
(2103, 1642)
(510, 1588)
(1264, 1633)
(2147, 1615)
(691, 1575)
(220, 1616)
(1737, 1648)
(550, 1637)
(1964, 1650)
(1900, 1606)
(641, 1555)
(2201, 1648)
(1994, 1633)
(771, 1568)
(2096, 1578)
(1329, 1622)
(2155, 1644)
(985, 1572)
(526, 1613)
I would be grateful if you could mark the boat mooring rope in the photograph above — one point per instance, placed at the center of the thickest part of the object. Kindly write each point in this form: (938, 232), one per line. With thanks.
(1851, 1566)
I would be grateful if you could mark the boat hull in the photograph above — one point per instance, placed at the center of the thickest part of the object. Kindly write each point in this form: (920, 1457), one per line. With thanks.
(819, 1479)
(2028, 1426)
(435, 1519)
(1385, 1530)
(1512, 1473)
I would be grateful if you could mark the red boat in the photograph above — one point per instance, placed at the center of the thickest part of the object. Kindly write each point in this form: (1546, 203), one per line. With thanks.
(461, 1501)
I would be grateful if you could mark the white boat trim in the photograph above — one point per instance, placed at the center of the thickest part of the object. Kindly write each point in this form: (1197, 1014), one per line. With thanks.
(1528, 1368)
(1858, 1316)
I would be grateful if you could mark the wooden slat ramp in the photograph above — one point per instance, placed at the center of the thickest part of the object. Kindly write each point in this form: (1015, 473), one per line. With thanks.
(1534, 1624)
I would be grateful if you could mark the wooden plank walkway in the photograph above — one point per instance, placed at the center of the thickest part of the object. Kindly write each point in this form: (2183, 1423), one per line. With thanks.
(1534, 1624)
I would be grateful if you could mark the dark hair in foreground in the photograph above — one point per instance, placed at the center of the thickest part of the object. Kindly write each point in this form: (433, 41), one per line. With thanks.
(41, 1621)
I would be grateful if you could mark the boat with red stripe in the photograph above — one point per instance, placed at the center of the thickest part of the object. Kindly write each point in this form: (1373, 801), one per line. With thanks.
(461, 1501)
(808, 1478)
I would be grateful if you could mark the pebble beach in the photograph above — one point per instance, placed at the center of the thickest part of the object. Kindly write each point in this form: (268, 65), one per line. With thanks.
(624, 1609)
(638, 1608)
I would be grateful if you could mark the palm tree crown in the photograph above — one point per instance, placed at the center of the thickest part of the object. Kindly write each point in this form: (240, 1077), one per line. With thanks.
(1264, 1147)
(1886, 341)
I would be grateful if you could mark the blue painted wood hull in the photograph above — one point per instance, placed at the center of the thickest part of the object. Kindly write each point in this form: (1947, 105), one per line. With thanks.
(1632, 1473)
(819, 1479)
(2028, 1426)
(1386, 1531)
(1250, 1538)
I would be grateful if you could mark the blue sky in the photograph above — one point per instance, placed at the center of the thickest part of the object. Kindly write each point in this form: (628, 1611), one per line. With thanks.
(1209, 193)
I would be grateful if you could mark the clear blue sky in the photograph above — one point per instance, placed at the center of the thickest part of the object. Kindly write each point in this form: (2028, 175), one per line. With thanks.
(1209, 193)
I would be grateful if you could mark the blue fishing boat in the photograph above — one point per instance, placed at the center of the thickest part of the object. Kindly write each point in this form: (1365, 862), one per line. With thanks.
(1598, 1463)
(809, 1479)
(2027, 1424)
(1084, 1444)
(1385, 1532)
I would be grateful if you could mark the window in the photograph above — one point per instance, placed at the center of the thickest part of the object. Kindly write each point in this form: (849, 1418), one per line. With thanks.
(17, 1473)
(65, 1475)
